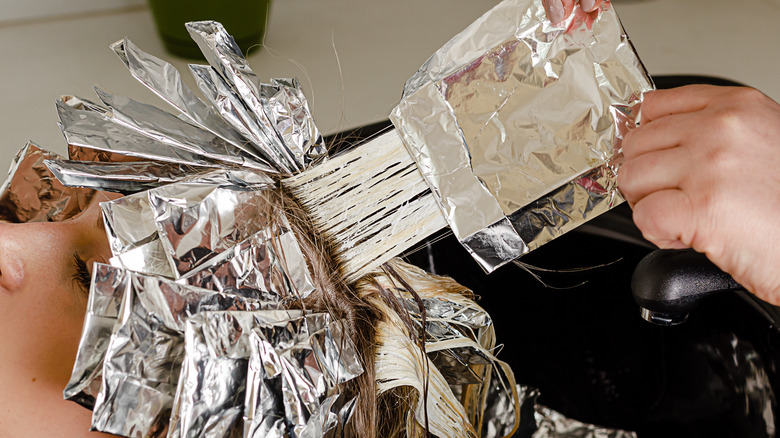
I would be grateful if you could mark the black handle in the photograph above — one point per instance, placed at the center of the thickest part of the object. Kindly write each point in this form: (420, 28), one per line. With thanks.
(672, 282)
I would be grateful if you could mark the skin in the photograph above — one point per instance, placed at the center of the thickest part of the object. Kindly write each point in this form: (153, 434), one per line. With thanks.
(702, 172)
(41, 315)
(559, 10)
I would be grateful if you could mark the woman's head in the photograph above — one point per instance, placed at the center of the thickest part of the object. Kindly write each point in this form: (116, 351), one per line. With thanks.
(44, 281)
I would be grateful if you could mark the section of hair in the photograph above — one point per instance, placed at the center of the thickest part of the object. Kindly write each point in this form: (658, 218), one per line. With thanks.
(380, 326)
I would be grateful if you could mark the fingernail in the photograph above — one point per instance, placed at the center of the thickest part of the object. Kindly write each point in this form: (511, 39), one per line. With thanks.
(588, 5)
(554, 10)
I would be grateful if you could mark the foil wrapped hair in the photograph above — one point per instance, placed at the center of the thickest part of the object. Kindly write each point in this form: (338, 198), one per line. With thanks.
(221, 312)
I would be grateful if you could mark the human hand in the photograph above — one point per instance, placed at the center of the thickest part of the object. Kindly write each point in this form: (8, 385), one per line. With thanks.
(703, 171)
(559, 10)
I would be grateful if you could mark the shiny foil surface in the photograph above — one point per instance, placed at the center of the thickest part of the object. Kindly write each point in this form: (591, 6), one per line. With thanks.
(547, 423)
(93, 128)
(206, 231)
(308, 374)
(220, 394)
(164, 80)
(508, 120)
(276, 115)
(31, 193)
(143, 358)
(126, 178)
(109, 286)
(242, 122)
(185, 334)
(189, 237)
(459, 341)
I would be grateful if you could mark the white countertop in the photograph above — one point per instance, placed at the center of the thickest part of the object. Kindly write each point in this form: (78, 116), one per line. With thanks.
(353, 56)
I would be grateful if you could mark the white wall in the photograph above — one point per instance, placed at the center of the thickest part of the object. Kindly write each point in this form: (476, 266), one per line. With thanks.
(19, 10)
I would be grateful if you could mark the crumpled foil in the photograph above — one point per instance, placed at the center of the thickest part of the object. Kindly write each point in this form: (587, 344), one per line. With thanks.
(275, 116)
(206, 231)
(92, 127)
(458, 340)
(308, 374)
(109, 285)
(142, 360)
(267, 127)
(543, 422)
(31, 193)
(123, 177)
(191, 228)
(204, 256)
(165, 81)
(516, 124)
(307, 355)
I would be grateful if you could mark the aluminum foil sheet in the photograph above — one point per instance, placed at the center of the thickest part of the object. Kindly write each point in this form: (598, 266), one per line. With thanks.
(133, 237)
(459, 341)
(264, 265)
(183, 335)
(308, 374)
(279, 109)
(143, 358)
(216, 383)
(32, 194)
(166, 128)
(164, 80)
(205, 231)
(91, 129)
(122, 177)
(198, 219)
(288, 110)
(543, 422)
(109, 285)
(508, 118)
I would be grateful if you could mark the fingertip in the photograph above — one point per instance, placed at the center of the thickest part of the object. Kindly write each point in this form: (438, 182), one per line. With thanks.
(589, 5)
(554, 10)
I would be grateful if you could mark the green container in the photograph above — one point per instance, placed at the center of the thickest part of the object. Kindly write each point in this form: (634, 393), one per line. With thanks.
(245, 20)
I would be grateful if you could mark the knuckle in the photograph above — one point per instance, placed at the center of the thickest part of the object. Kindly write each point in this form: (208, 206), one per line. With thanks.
(746, 94)
(720, 161)
(732, 112)
(726, 119)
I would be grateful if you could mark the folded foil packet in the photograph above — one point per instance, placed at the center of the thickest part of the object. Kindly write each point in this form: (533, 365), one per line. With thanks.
(111, 287)
(459, 342)
(120, 177)
(184, 335)
(31, 193)
(143, 358)
(516, 125)
(308, 373)
(206, 231)
(290, 393)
